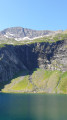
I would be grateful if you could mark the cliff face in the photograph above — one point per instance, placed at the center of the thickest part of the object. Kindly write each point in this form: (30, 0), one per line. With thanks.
(45, 55)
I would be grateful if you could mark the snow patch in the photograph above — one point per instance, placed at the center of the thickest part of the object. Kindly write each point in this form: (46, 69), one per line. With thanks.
(27, 38)
(6, 36)
(9, 34)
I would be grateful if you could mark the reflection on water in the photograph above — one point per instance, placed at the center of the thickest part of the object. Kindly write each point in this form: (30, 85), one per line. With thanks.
(33, 107)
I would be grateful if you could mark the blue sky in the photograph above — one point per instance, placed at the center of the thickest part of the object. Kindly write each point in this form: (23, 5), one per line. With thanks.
(34, 14)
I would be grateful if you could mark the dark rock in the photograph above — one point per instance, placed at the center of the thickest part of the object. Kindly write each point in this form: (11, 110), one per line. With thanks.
(46, 55)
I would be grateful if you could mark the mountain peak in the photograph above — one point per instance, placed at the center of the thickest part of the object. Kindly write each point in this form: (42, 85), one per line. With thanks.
(20, 33)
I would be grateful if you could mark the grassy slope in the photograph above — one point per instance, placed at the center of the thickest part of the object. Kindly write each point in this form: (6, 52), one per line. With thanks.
(50, 39)
(46, 80)
(39, 81)
(62, 87)
(24, 85)
(20, 79)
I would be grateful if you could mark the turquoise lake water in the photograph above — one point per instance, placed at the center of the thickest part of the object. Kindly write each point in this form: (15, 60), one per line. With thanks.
(33, 107)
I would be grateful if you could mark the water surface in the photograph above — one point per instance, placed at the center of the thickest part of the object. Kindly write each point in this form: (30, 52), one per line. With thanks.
(33, 107)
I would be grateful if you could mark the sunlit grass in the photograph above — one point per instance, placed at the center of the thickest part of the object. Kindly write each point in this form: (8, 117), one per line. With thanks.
(41, 80)
(23, 85)
(63, 83)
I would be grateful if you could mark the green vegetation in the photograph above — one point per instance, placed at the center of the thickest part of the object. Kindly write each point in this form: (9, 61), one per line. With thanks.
(19, 82)
(2, 45)
(60, 37)
(62, 87)
(50, 39)
(39, 77)
(23, 85)
(39, 81)
(46, 80)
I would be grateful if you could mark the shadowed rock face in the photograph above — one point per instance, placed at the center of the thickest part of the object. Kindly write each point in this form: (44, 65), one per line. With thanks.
(27, 57)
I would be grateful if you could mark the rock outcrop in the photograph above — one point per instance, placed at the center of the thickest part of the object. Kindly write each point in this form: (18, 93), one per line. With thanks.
(45, 55)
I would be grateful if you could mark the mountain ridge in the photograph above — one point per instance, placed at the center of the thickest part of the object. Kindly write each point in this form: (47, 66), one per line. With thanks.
(20, 33)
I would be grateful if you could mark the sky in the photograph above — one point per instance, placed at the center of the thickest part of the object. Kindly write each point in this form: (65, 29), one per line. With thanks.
(33, 14)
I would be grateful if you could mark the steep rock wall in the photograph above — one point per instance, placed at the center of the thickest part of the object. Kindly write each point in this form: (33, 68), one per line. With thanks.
(27, 57)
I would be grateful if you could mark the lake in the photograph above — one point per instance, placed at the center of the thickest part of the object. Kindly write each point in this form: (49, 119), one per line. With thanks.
(33, 107)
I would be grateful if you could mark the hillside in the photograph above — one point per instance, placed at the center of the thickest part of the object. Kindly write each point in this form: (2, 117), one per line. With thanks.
(33, 65)
(40, 81)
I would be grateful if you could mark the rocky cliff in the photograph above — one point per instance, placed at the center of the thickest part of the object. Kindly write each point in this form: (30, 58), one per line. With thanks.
(45, 55)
